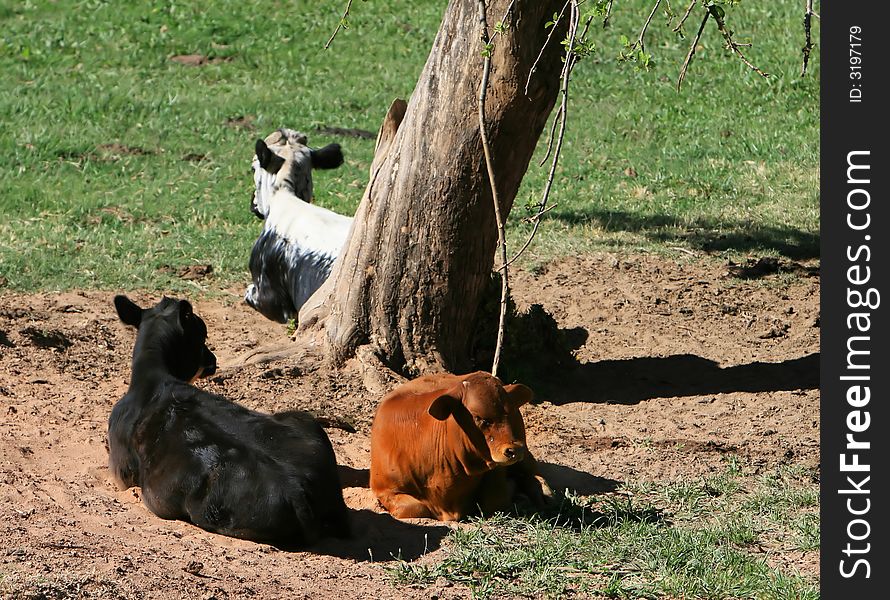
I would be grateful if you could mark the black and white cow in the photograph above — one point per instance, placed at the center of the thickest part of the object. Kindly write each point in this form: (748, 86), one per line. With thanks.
(300, 241)
(201, 458)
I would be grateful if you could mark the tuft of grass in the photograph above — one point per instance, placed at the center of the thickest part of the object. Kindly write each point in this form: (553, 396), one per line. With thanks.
(116, 161)
(641, 542)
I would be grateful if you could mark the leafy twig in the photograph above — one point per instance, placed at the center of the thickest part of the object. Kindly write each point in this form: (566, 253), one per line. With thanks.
(553, 27)
(608, 14)
(717, 12)
(499, 28)
(486, 149)
(582, 48)
(342, 23)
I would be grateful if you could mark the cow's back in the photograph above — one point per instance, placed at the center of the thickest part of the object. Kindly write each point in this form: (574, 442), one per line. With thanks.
(237, 472)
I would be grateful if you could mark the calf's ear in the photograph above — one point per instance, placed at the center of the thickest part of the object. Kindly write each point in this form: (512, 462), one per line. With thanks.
(519, 394)
(443, 406)
(128, 311)
(269, 161)
(328, 157)
(185, 309)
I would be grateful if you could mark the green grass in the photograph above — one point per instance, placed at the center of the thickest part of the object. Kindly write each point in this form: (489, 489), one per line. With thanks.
(729, 164)
(116, 161)
(709, 539)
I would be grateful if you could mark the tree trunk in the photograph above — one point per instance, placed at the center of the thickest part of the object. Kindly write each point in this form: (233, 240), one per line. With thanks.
(420, 255)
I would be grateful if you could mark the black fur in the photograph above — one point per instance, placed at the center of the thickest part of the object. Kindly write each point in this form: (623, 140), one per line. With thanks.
(283, 276)
(269, 161)
(204, 459)
(328, 157)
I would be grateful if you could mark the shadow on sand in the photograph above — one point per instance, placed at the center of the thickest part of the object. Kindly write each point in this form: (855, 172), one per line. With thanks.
(382, 538)
(633, 380)
(563, 478)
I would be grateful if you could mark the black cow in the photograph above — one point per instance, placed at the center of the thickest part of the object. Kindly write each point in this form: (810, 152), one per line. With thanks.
(201, 458)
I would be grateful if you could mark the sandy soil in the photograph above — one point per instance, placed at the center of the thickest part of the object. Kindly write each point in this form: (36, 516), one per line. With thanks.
(681, 365)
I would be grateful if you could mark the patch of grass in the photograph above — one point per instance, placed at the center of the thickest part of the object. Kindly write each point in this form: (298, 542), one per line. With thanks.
(116, 161)
(651, 540)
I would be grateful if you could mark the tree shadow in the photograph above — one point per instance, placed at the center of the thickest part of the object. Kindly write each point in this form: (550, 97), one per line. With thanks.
(563, 478)
(536, 347)
(578, 518)
(707, 235)
(541, 354)
(629, 381)
(567, 512)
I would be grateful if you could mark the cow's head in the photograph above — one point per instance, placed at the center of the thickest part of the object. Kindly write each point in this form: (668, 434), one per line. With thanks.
(488, 413)
(284, 161)
(170, 333)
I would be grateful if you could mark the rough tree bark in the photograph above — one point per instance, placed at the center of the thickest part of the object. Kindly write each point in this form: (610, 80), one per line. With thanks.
(421, 252)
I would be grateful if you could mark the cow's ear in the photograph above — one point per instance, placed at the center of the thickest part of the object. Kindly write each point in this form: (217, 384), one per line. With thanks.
(443, 406)
(128, 311)
(329, 157)
(519, 394)
(185, 310)
(269, 161)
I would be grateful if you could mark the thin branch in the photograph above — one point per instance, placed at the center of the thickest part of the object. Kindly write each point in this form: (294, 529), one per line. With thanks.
(342, 23)
(679, 27)
(608, 14)
(486, 148)
(528, 242)
(537, 215)
(727, 35)
(546, 42)
(506, 14)
(691, 53)
(646, 26)
(807, 24)
(551, 136)
(586, 28)
(581, 39)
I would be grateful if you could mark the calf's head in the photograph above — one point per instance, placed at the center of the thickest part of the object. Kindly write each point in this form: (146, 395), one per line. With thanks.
(171, 335)
(284, 161)
(488, 413)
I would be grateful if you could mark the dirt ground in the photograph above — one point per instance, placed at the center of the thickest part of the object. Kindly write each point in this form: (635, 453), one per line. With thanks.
(681, 365)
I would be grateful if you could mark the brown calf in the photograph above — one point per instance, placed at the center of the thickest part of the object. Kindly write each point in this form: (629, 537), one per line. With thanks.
(445, 445)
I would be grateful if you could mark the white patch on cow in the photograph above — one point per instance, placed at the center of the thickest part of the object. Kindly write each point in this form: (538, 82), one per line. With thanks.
(312, 228)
